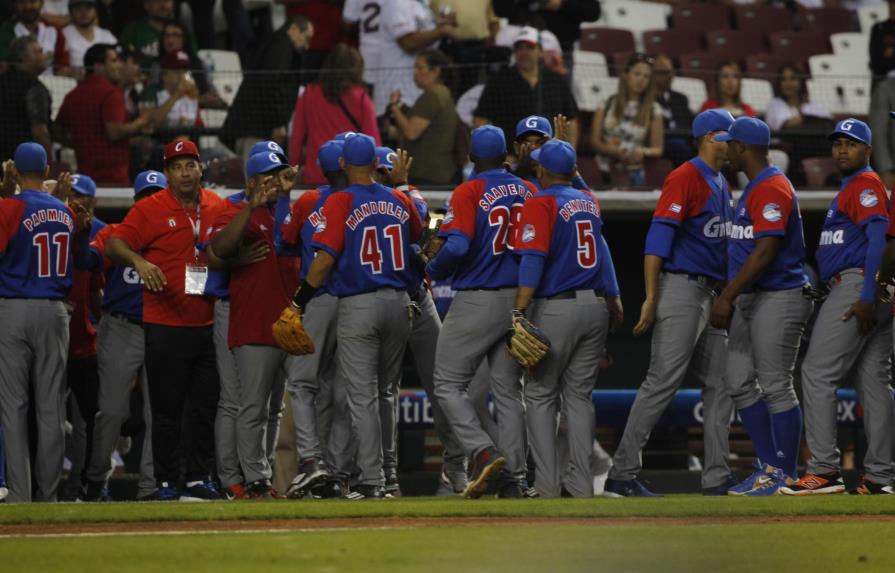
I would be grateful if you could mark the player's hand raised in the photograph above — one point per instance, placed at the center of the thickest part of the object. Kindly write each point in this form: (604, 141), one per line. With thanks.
(400, 172)
(265, 193)
(647, 317)
(63, 187)
(287, 178)
(83, 217)
(865, 315)
(561, 127)
(152, 276)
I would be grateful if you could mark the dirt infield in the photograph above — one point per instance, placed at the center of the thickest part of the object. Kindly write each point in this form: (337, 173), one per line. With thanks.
(286, 525)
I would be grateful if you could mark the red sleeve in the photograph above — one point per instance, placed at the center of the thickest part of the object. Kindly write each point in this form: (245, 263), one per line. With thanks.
(769, 206)
(61, 58)
(224, 217)
(747, 110)
(335, 213)
(62, 115)
(675, 204)
(297, 137)
(10, 216)
(98, 244)
(460, 217)
(416, 224)
(114, 110)
(708, 104)
(291, 231)
(136, 229)
(863, 199)
(97, 281)
(535, 228)
(368, 117)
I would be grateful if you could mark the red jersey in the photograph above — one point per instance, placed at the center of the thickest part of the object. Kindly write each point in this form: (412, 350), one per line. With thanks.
(82, 333)
(162, 232)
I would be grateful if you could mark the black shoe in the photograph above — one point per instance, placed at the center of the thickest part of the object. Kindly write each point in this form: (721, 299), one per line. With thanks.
(329, 489)
(97, 491)
(392, 487)
(487, 465)
(311, 473)
(260, 489)
(511, 490)
(867, 487)
(366, 491)
(204, 491)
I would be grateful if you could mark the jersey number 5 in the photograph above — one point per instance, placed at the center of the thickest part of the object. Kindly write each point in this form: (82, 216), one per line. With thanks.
(371, 254)
(587, 244)
(42, 242)
(506, 220)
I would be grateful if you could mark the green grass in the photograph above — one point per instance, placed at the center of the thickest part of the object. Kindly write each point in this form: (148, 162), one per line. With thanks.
(716, 548)
(671, 506)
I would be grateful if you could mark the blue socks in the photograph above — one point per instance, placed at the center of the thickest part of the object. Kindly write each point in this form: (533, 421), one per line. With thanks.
(787, 427)
(757, 420)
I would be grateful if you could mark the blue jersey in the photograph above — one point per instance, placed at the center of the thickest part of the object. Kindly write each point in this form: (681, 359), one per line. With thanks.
(843, 244)
(769, 207)
(578, 181)
(368, 229)
(485, 211)
(563, 225)
(696, 200)
(123, 292)
(37, 232)
(299, 226)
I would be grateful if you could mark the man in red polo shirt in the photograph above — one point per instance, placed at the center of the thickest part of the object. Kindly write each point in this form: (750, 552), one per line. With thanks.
(94, 117)
(158, 239)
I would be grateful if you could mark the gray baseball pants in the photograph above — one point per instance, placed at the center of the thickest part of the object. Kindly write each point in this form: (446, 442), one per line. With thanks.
(474, 331)
(834, 350)
(683, 341)
(372, 333)
(577, 329)
(225, 429)
(478, 391)
(33, 350)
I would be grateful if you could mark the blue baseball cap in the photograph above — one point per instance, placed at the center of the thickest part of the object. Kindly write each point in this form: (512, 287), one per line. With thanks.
(344, 135)
(267, 147)
(329, 154)
(711, 120)
(264, 162)
(359, 150)
(30, 157)
(150, 179)
(386, 157)
(557, 156)
(748, 130)
(853, 129)
(487, 142)
(534, 124)
(83, 185)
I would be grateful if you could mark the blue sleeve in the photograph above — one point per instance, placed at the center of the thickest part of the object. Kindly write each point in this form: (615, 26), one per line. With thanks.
(454, 249)
(280, 213)
(876, 236)
(659, 239)
(531, 267)
(607, 270)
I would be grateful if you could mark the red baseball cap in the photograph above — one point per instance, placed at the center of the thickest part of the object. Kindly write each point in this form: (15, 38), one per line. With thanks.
(178, 60)
(181, 148)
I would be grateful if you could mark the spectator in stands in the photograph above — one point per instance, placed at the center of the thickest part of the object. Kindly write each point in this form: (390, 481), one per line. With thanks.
(676, 112)
(629, 127)
(526, 88)
(56, 13)
(429, 129)
(337, 102)
(326, 16)
(176, 39)
(725, 91)
(476, 27)
(93, 118)
(266, 98)
(882, 46)
(882, 100)
(174, 100)
(83, 32)
(790, 106)
(25, 21)
(24, 100)
(144, 36)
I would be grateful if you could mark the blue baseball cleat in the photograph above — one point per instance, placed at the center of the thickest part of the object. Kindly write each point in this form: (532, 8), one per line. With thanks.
(747, 484)
(627, 488)
(769, 483)
(722, 489)
(167, 492)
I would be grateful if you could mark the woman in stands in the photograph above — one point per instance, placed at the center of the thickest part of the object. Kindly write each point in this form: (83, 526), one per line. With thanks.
(176, 38)
(628, 128)
(791, 106)
(725, 91)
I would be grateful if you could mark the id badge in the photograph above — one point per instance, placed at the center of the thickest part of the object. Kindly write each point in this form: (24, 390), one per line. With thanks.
(196, 277)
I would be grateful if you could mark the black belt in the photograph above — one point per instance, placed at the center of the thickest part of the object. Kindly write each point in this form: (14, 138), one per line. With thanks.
(566, 295)
(491, 289)
(711, 283)
(126, 318)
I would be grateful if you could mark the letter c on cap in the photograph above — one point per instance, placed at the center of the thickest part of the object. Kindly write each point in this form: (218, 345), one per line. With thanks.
(531, 122)
(179, 146)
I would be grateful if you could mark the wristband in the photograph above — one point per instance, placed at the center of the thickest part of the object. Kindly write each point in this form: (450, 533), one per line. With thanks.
(305, 293)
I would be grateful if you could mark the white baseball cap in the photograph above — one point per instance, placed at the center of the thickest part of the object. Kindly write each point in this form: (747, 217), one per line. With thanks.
(528, 35)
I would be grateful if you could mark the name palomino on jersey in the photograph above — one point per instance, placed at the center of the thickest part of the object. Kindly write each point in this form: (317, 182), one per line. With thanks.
(493, 194)
(569, 208)
(365, 210)
(49, 216)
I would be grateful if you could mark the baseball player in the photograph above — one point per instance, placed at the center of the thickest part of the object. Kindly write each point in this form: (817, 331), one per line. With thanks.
(768, 286)
(558, 238)
(37, 234)
(120, 358)
(476, 230)
(851, 245)
(685, 265)
(363, 247)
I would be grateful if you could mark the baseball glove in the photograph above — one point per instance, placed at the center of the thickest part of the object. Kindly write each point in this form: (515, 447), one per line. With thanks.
(525, 341)
(290, 334)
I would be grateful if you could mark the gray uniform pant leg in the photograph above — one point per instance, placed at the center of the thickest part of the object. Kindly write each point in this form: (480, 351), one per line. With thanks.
(147, 484)
(373, 331)
(423, 343)
(681, 316)
(225, 433)
(120, 350)
(33, 349)
(479, 391)
(707, 366)
(306, 377)
(336, 427)
(834, 351)
(577, 329)
(259, 367)
(275, 412)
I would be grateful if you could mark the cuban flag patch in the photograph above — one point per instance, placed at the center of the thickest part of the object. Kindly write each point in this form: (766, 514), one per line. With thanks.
(868, 198)
(675, 208)
(771, 212)
(528, 233)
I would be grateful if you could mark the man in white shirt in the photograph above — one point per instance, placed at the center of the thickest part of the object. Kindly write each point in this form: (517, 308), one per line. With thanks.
(25, 21)
(366, 15)
(83, 31)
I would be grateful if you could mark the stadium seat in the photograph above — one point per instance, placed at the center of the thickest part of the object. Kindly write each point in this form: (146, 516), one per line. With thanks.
(671, 42)
(798, 46)
(765, 65)
(617, 65)
(701, 17)
(58, 86)
(700, 65)
(831, 65)
(591, 91)
(656, 170)
(820, 171)
(734, 44)
(225, 71)
(826, 20)
(849, 96)
(213, 117)
(763, 19)
(757, 93)
(636, 17)
(589, 64)
(606, 40)
(226, 173)
(693, 88)
(870, 15)
(853, 46)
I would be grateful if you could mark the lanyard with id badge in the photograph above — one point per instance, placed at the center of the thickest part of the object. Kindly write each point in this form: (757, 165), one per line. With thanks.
(196, 274)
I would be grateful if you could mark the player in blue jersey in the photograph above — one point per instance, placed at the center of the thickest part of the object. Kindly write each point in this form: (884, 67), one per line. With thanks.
(767, 286)
(476, 251)
(684, 266)
(37, 236)
(853, 330)
(363, 249)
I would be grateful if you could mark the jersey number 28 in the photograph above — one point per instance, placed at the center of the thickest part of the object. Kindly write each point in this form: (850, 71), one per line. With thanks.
(43, 242)
(506, 219)
(370, 253)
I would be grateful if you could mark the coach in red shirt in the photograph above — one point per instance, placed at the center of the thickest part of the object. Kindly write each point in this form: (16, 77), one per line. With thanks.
(160, 239)
(95, 119)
